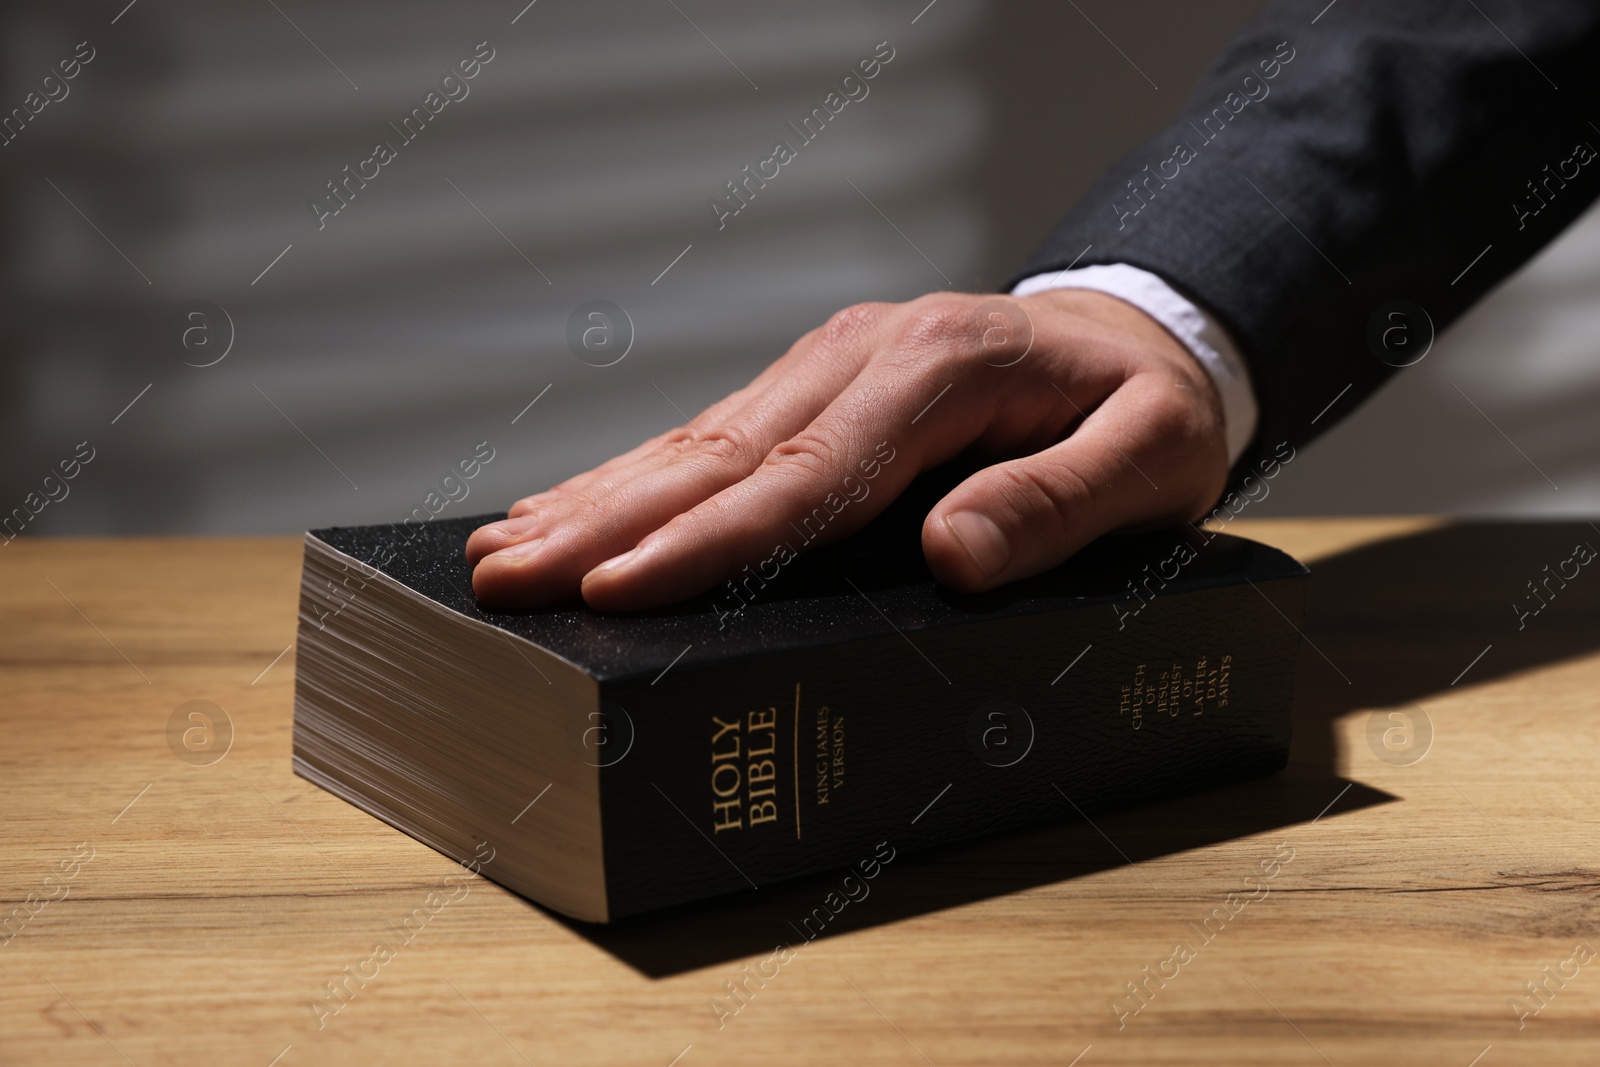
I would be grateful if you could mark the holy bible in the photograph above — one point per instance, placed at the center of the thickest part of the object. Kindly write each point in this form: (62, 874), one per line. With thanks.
(793, 720)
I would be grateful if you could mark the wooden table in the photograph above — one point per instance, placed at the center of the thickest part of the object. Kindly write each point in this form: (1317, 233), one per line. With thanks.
(207, 905)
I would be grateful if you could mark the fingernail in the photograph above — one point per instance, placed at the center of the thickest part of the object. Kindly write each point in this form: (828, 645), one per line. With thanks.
(616, 563)
(982, 539)
(522, 549)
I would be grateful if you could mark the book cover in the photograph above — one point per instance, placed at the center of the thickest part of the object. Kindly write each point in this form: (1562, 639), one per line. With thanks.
(788, 722)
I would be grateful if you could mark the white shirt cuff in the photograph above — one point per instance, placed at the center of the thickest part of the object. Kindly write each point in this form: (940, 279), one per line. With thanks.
(1201, 334)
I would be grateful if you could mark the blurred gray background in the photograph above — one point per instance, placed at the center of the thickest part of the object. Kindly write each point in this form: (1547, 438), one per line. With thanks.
(371, 355)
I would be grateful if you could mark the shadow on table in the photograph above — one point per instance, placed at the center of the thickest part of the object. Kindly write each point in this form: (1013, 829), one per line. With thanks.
(1391, 624)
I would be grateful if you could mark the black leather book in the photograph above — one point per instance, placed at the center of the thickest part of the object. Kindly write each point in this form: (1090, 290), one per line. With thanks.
(607, 765)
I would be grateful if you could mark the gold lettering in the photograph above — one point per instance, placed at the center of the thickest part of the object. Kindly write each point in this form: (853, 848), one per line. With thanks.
(763, 773)
(728, 753)
(725, 815)
(764, 720)
(717, 779)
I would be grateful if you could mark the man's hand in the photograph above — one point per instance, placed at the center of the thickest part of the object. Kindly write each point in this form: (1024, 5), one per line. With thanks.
(1102, 420)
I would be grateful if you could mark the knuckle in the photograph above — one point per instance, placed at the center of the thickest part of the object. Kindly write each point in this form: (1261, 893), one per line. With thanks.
(1177, 421)
(807, 455)
(937, 320)
(678, 439)
(850, 325)
(957, 334)
(729, 446)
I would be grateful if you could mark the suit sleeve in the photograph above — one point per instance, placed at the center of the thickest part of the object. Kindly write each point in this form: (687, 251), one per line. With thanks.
(1342, 185)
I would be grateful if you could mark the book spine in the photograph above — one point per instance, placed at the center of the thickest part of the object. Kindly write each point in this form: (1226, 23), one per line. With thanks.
(739, 774)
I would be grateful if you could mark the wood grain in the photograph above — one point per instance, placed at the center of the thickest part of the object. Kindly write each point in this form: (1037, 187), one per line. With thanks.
(221, 898)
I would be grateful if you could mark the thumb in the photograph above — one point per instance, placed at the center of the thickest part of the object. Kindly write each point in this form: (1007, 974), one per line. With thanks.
(1143, 457)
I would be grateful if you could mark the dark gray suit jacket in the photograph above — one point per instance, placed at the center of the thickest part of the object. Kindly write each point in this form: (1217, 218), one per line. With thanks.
(1331, 166)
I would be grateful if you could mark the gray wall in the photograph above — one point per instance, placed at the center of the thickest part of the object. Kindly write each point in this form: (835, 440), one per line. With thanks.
(430, 311)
